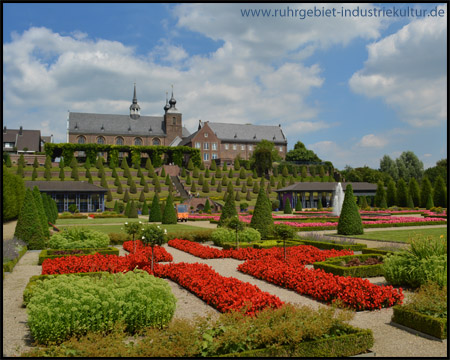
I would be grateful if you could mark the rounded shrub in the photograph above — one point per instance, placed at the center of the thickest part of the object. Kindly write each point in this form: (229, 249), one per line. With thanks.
(221, 236)
(76, 237)
(249, 235)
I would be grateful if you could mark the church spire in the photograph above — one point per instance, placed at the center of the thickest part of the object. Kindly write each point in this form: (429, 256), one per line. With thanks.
(166, 107)
(135, 109)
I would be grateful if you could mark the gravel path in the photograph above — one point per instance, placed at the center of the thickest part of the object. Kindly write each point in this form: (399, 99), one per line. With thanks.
(390, 341)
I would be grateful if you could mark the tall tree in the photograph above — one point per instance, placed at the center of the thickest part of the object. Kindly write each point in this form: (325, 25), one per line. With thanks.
(155, 209)
(380, 193)
(409, 166)
(440, 192)
(263, 157)
(169, 215)
(425, 190)
(301, 153)
(391, 193)
(229, 209)
(402, 193)
(389, 166)
(414, 191)
(262, 215)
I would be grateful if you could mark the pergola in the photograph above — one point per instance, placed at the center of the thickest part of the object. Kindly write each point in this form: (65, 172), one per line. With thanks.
(87, 197)
(297, 192)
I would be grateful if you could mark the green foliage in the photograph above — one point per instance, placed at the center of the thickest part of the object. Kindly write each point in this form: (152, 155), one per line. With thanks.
(132, 228)
(440, 169)
(430, 203)
(41, 212)
(440, 192)
(207, 207)
(169, 215)
(222, 235)
(76, 237)
(205, 187)
(26, 228)
(47, 174)
(410, 203)
(426, 261)
(380, 193)
(409, 166)
(190, 165)
(127, 209)
(7, 160)
(200, 179)
(133, 211)
(13, 194)
(63, 305)
(430, 299)
(237, 196)
(155, 210)
(249, 235)
(262, 215)
(264, 155)
(350, 222)
(34, 174)
(287, 207)
(402, 193)
(301, 153)
(126, 196)
(391, 194)
(284, 232)
(145, 210)
(229, 209)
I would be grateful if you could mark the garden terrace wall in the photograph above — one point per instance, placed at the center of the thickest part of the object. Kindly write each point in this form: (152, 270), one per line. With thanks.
(364, 271)
(424, 323)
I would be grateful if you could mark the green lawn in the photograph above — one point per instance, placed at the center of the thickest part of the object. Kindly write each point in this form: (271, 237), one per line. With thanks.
(402, 235)
(119, 227)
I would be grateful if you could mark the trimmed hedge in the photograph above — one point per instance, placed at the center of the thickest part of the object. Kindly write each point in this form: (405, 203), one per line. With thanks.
(355, 342)
(330, 245)
(430, 325)
(76, 237)
(9, 266)
(333, 266)
(72, 216)
(376, 251)
(47, 254)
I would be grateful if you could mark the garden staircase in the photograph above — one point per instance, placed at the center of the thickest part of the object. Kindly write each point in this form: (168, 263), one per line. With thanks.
(179, 187)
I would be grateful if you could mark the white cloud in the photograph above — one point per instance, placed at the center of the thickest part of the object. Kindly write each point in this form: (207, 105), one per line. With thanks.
(372, 140)
(408, 70)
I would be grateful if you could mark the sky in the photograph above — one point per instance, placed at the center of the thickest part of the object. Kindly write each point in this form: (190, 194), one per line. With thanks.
(353, 82)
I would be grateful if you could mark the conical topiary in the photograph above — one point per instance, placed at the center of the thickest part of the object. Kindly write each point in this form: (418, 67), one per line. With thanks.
(133, 211)
(170, 215)
(287, 207)
(350, 220)
(155, 209)
(145, 208)
(207, 207)
(229, 209)
(41, 211)
(430, 202)
(298, 205)
(262, 215)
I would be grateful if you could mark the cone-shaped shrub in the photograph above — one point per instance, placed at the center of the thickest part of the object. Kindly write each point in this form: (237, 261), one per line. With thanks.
(213, 181)
(287, 207)
(380, 193)
(275, 171)
(158, 186)
(207, 207)
(195, 173)
(133, 189)
(19, 170)
(116, 207)
(440, 192)
(45, 202)
(225, 168)
(238, 182)
(116, 181)
(237, 164)
(244, 188)
(163, 172)
(61, 174)
(254, 175)
(8, 161)
(255, 188)
(167, 180)
(142, 196)
(205, 187)
(21, 161)
(188, 180)
(139, 173)
(155, 210)
(383, 204)
(410, 203)
(74, 174)
(34, 174)
(237, 196)
(119, 188)
(242, 174)
(90, 181)
(213, 166)
(391, 194)
(283, 182)
(26, 228)
(193, 187)
(41, 212)
(109, 195)
(48, 162)
(414, 191)
(229, 209)
(200, 179)
(133, 211)
(190, 165)
(285, 171)
(350, 220)
(430, 202)
(148, 163)
(262, 215)
(224, 181)
(145, 208)
(48, 174)
(87, 165)
(207, 174)
(219, 188)
(145, 187)
(218, 174)
(319, 204)
(126, 196)
(103, 182)
(248, 197)
(35, 163)
(170, 215)
(202, 166)
(61, 163)
(230, 174)
(249, 181)
(298, 205)
(127, 209)
(183, 172)
(291, 180)
(402, 193)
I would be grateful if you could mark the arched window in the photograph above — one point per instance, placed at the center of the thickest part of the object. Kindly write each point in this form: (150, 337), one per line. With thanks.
(81, 140)
(156, 141)
(119, 140)
(100, 140)
(137, 141)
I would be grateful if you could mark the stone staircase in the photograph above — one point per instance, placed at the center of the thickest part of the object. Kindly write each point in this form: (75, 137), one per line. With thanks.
(180, 188)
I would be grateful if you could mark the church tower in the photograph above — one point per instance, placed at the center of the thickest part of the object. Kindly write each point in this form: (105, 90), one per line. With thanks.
(135, 109)
(172, 120)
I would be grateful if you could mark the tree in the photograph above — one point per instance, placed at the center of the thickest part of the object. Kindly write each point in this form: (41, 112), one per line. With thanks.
(21, 161)
(74, 174)
(285, 172)
(287, 207)
(61, 174)
(213, 166)
(301, 153)
(410, 203)
(389, 166)
(439, 170)
(163, 172)
(153, 235)
(109, 195)
(207, 175)
(148, 164)
(133, 210)
(414, 191)
(47, 174)
(391, 193)
(190, 165)
(26, 228)
(205, 187)
(8, 160)
(263, 157)
(116, 207)
(350, 222)
(409, 166)
(87, 164)
(145, 208)
(127, 209)
(430, 203)
(119, 188)
(126, 196)
(380, 193)
(319, 204)
(248, 197)
(440, 192)
(13, 194)
(169, 215)
(402, 193)
(167, 180)
(237, 196)
(36, 163)
(207, 208)
(425, 190)
(133, 189)
(41, 211)
(298, 205)
(155, 209)
(34, 174)
(229, 209)
(262, 215)
(142, 196)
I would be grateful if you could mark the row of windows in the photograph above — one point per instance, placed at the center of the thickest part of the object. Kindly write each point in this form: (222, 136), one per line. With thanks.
(118, 141)
(206, 156)
(227, 146)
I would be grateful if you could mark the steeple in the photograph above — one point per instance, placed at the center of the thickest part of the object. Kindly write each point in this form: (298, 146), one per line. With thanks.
(135, 109)
(166, 107)
(172, 102)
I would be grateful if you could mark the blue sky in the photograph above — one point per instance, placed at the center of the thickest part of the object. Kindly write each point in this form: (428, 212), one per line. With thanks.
(350, 88)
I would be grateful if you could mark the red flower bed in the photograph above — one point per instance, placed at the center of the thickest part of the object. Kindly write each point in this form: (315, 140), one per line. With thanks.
(356, 293)
(223, 293)
(109, 263)
(159, 253)
(302, 254)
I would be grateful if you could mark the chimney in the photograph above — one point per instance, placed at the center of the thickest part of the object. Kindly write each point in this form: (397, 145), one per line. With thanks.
(20, 130)
(4, 129)
(51, 138)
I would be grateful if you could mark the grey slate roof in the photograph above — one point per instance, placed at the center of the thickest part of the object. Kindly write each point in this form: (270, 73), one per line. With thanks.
(30, 139)
(328, 186)
(187, 139)
(65, 186)
(89, 123)
(248, 132)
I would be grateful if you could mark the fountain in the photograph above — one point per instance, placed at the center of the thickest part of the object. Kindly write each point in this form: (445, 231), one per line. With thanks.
(338, 199)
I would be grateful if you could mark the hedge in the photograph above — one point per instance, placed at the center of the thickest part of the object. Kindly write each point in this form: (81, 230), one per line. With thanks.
(9, 266)
(330, 245)
(355, 342)
(333, 266)
(47, 254)
(430, 325)
(377, 251)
